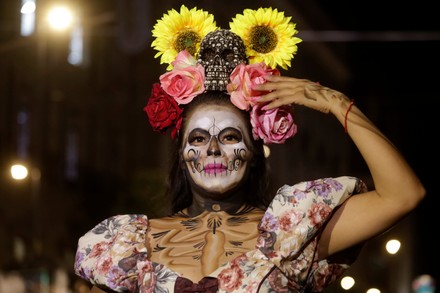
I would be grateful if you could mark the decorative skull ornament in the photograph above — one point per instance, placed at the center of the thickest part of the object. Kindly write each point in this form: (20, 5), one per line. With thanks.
(220, 52)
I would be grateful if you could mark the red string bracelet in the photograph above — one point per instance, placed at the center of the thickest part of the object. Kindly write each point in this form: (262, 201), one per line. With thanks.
(346, 115)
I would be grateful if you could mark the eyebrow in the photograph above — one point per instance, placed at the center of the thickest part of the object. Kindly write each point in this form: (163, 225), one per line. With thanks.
(198, 129)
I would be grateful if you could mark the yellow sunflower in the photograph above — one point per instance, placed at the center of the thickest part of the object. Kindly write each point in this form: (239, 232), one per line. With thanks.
(268, 35)
(177, 31)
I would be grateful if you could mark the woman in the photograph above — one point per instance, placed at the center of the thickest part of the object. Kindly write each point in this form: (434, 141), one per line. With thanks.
(225, 233)
(221, 225)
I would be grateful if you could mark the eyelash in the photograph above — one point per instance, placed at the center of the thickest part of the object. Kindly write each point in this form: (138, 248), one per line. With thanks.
(226, 136)
(197, 139)
(230, 137)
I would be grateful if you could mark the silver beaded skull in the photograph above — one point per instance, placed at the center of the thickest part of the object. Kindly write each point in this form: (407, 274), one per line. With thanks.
(220, 52)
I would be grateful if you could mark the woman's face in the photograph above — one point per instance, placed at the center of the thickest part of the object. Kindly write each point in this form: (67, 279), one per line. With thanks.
(216, 148)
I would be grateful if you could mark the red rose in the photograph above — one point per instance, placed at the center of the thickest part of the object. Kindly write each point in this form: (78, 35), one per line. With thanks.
(163, 111)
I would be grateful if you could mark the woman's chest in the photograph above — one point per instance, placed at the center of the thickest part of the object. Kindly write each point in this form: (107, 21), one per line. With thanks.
(195, 247)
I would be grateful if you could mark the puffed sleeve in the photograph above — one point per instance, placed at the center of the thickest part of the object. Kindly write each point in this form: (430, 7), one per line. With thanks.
(114, 255)
(291, 226)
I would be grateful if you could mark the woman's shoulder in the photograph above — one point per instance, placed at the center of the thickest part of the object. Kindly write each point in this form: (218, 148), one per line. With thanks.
(128, 228)
(329, 191)
(114, 254)
(114, 239)
(119, 220)
(337, 182)
(112, 225)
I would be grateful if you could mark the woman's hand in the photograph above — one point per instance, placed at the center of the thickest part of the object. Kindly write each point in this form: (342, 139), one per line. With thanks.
(288, 90)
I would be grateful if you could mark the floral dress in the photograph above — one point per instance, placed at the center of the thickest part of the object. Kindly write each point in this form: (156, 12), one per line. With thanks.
(113, 255)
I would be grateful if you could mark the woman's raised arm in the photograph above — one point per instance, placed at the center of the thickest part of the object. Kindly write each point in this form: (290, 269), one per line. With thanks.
(397, 189)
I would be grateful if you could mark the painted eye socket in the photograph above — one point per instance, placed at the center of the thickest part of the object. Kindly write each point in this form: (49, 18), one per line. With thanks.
(230, 136)
(228, 55)
(208, 54)
(198, 137)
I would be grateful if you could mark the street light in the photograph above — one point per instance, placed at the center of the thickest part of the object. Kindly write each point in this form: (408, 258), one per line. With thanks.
(60, 18)
(19, 172)
(392, 246)
(347, 282)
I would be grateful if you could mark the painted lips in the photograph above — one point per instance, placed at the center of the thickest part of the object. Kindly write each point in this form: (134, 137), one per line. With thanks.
(215, 168)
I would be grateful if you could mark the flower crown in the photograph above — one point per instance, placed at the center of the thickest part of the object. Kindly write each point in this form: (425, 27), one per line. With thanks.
(228, 60)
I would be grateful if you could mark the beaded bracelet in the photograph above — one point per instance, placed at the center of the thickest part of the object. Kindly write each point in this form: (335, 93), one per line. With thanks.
(346, 115)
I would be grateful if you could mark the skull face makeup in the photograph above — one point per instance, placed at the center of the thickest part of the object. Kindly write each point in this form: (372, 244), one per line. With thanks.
(220, 52)
(215, 149)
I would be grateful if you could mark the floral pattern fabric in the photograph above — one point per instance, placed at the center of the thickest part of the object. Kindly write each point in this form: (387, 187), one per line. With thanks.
(113, 254)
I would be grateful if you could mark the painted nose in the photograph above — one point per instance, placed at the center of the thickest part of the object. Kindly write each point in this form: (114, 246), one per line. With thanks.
(218, 60)
(213, 149)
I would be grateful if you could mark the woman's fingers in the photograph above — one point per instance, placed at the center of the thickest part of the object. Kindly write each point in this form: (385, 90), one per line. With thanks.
(288, 90)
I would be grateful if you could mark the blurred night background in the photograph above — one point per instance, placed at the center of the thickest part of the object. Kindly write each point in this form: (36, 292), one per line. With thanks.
(71, 110)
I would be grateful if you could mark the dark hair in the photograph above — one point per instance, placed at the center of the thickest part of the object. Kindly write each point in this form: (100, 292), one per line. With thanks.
(257, 181)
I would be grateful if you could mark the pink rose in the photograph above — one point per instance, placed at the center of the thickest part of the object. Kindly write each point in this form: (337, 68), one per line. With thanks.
(243, 77)
(273, 126)
(183, 59)
(186, 80)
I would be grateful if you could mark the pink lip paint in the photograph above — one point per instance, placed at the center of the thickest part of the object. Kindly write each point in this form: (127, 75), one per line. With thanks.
(214, 168)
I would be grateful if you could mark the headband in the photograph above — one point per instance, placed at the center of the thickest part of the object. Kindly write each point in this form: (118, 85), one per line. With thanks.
(202, 57)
